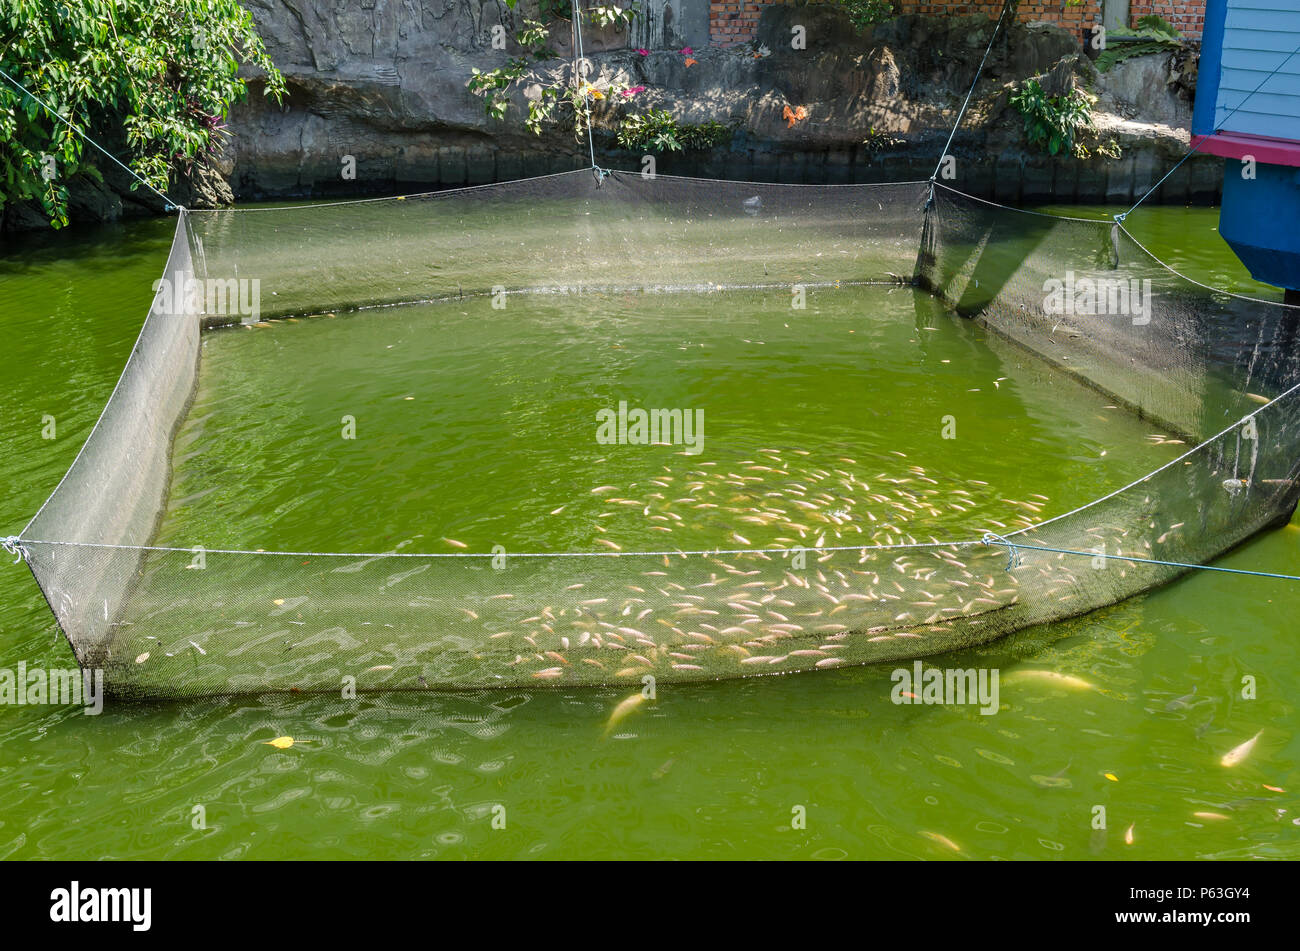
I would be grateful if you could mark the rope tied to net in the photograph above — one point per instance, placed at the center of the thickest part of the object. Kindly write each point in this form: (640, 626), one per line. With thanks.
(1006, 5)
(1119, 219)
(14, 546)
(1013, 552)
(992, 539)
(580, 78)
(168, 204)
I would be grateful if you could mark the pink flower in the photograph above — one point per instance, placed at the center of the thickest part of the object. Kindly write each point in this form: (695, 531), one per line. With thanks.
(632, 91)
(687, 51)
(644, 52)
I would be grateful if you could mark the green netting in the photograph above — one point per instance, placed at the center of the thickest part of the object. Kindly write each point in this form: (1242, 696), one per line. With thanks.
(799, 564)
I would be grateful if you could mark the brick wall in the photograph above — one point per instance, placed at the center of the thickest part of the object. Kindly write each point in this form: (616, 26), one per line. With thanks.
(1188, 17)
(736, 21)
(1065, 15)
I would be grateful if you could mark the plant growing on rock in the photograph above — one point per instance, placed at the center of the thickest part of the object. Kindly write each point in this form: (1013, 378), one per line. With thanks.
(1058, 124)
(163, 73)
(864, 13)
(573, 91)
(657, 131)
(1154, 34)
(877, 140)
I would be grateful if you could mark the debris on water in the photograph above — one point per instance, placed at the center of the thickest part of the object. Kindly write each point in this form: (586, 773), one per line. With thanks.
(1052, 782)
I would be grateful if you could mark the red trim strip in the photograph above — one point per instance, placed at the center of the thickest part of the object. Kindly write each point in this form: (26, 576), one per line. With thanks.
(1239, 144)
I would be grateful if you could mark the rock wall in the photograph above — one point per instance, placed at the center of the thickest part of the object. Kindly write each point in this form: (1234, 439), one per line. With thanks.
(384, 82)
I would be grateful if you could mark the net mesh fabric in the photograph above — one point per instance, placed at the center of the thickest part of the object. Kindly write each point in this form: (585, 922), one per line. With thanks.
(569, 232)
(1216, 368)
(114, 493)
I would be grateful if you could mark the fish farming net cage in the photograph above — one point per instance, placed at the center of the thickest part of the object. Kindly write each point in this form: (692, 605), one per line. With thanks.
(178, 619)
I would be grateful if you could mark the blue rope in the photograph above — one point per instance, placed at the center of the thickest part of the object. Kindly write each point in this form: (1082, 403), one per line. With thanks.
(169, 204)
(14, 545)
(1013, 554)
(1119, 219)
(991, 539)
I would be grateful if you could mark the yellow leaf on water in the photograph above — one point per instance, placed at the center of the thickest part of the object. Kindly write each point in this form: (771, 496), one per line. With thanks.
(1112, 777)
(278, 601)
(281, 742)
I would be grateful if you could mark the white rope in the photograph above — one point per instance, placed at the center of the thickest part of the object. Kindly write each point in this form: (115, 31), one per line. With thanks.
(12, 545)
(171, 205)
(699, 552)
(580, 77)
(1014, 550)
(1150, 191)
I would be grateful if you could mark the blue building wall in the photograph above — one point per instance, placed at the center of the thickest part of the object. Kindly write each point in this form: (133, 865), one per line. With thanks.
(1257, 36)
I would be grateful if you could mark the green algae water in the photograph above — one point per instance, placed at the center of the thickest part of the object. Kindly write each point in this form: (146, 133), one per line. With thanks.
(477, 428)
(484, 427)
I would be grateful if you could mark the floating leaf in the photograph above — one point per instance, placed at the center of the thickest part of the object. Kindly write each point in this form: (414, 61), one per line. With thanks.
(280, 742)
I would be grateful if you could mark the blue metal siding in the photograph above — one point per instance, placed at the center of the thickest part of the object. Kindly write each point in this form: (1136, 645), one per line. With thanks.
(1258, 35)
